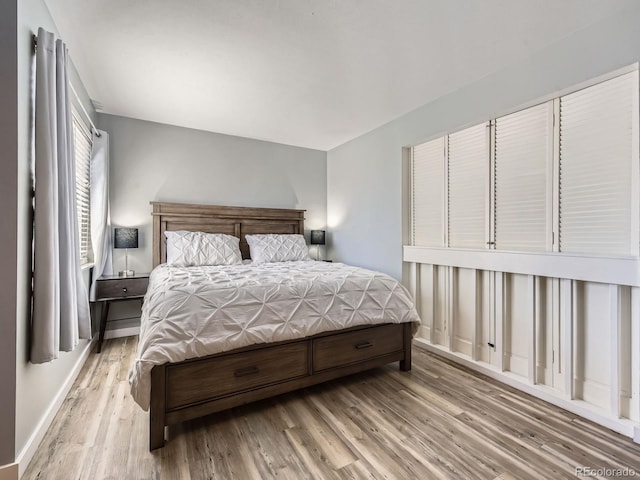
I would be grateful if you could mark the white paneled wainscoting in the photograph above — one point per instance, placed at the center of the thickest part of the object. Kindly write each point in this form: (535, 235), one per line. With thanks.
(564, 328)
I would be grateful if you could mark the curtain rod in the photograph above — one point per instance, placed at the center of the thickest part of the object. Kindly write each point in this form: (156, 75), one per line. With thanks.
(34, 38)
(84, 110)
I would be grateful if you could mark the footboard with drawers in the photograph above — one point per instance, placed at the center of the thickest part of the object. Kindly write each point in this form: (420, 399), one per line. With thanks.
(198, 387)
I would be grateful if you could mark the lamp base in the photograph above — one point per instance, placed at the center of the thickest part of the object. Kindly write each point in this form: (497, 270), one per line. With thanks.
(126, 273)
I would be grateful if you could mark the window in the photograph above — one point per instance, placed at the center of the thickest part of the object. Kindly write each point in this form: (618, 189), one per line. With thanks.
(596, 171)
(468, 177)
(82, 150)
(522, 155)
(563, 176)
(428, 165)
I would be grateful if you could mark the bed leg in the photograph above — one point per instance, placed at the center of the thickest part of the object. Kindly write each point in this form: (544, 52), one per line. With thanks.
(156, 436)
(157, 408)
(405, 363)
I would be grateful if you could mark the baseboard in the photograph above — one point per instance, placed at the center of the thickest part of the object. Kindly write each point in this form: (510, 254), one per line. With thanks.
(623, 426)
(29, 450)
(121, 332)
(9, 472)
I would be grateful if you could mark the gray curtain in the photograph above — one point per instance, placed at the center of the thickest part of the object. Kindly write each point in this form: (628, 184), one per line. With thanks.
(60, 315)
(100, 212)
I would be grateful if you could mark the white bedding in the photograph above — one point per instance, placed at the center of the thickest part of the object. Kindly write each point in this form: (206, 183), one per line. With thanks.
(196, 311)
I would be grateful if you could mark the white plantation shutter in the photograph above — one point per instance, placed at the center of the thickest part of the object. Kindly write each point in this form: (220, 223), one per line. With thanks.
(522, 155)
(468, 177)
(596, 154)
(428, 167)
(82, 150)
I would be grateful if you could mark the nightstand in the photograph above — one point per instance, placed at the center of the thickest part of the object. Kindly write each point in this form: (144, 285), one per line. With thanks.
(112, 288)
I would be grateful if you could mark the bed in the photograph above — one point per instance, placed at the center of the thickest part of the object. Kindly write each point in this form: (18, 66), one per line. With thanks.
(269, 364)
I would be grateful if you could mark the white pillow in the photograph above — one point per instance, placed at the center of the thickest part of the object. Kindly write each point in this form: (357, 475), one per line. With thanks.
(186, 249)
(277, 248)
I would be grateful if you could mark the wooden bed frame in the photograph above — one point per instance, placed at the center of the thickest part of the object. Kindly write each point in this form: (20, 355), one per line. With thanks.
(197, 387)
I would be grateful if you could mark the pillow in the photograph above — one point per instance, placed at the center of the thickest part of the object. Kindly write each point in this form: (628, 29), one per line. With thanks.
(277, 248)
(185, 249)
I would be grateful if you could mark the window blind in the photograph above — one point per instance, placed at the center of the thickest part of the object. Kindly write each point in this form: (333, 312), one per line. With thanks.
(468, 179)
(522, 156)
(82, 152)
(428, 168)
(596, 135)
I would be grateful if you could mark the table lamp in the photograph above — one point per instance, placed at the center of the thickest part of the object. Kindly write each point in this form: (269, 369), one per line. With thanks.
(318, 237)
(126, 238)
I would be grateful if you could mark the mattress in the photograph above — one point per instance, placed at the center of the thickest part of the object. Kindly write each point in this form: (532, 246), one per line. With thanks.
(191, 312)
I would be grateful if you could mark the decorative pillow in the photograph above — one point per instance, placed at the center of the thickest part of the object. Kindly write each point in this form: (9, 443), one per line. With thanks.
(277, 248)
(186, 249)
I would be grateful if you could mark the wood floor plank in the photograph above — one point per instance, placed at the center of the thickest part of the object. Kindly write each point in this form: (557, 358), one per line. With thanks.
(357, 470)
(591, 446)
(270, 448)
(393, 452)
(438, 421)
(462, 455)
(331, 449)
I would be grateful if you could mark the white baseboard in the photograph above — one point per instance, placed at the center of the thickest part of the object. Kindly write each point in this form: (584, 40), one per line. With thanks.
(9, 472)
(29, 450)
(121, 332)
(623, 426)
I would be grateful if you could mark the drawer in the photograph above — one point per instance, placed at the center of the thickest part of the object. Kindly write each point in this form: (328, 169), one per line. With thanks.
(358, 346)
(121, 288)
(193, 382)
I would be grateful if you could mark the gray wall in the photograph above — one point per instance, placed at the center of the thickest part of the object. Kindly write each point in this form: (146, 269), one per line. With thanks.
(36, 386)
(365, 175)
(152, 161)
(8, 221)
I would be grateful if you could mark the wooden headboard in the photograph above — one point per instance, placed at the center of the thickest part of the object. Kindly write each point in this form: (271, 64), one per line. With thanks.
(237, 221)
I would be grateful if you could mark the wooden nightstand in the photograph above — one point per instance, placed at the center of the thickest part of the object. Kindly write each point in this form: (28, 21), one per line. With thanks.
(112, 288)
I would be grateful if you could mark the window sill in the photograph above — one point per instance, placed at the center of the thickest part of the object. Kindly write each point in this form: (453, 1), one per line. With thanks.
(86, 266)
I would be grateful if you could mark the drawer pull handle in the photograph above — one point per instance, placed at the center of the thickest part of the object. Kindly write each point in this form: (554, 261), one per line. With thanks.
(243, 372)
(124, 289)
(360, 346)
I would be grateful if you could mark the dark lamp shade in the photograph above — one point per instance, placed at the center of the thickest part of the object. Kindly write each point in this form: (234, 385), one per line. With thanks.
(318, 237)
(125, 238)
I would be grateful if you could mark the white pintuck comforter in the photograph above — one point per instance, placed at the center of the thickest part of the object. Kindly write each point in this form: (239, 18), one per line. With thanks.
(191, 312)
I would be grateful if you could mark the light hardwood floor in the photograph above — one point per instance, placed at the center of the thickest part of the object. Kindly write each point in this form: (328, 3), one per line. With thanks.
(439, 421)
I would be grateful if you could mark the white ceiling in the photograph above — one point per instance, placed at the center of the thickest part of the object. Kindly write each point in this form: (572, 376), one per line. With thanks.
(312, 73)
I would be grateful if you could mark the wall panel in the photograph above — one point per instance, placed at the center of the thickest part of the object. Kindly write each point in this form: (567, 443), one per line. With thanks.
(592, 343)
(545, 333)
(441, 308)
(427, 303)
(572, 342)
(484, 351)
(625, 348)
(464, 322)
(515, 324)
